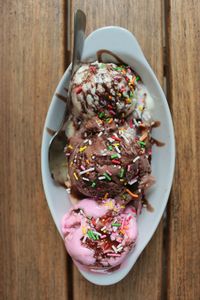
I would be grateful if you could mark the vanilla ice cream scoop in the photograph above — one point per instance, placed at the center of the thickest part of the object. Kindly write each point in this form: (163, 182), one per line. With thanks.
(105, 89)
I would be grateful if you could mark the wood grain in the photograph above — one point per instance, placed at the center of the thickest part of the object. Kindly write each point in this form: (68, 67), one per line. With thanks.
(184, 211)
(32, 257)
(144, 281)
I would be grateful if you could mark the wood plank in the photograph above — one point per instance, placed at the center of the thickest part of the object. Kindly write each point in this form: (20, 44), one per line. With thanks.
(144, 281)
(32, 256)
(184, 81)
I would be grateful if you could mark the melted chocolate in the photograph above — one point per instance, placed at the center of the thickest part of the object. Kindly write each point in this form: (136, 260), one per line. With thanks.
(155, 124)
(61, 97)
(153, 141)
(102, 51)
(156, 142)
(149, 207)
(76, 194)
(50, 131)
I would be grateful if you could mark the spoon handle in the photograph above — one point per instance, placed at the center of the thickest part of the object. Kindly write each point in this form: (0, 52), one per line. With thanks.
(79, 37)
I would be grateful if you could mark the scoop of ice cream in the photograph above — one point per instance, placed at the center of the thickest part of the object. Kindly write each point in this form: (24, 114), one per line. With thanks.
(99, 235)
(103, 89)
(109, 162)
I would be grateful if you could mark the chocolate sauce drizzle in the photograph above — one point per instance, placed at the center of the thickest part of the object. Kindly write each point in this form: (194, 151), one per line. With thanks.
(50, 131)
(61, 97)
(102, 51)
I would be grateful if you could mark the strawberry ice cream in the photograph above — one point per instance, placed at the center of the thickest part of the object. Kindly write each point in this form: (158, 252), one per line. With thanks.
(99, 235)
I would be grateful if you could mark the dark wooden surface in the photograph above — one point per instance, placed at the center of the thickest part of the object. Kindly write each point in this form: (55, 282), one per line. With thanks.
(33, 34)
(32, 256)
(184, 93)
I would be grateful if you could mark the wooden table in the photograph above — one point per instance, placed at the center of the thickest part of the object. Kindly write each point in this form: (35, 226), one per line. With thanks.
(35, 36)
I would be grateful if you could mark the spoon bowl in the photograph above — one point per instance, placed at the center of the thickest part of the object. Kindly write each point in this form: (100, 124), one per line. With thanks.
(163, 159)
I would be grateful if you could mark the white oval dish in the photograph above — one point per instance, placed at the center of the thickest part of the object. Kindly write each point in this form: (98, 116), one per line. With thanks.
(121, 42)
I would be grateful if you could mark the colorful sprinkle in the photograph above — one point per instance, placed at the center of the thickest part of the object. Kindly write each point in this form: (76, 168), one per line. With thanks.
(117, 162)
(84, 239)
(75, 175)
(117, 149)
(112, 112)
(103, 236)
(78, 89)
(93, 184)
(109, 173)
(91, 234)
(116, 155)
(116, 224)
(107, 176)
(118, 69)
(142, 143)
(110, 148)
(84, 231)
(85, 179)
(86, 171)
(135, 122)
(113, 254)
(114, 248)
(110, 140)
(116, 138)
(132, 194)
(82, 149)
(136, 158)
(121, 173)
(140, 107)
(125, 138)
(106, 196)
(110, 204)
(97, 233)
(100, 134)
(68, 190)
(137, 78)
(143, 137)
(128, 101)
(103, 228)
(131, 182)
(101, 115)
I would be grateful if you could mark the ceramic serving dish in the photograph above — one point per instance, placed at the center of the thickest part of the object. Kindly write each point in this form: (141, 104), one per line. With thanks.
(121, 42)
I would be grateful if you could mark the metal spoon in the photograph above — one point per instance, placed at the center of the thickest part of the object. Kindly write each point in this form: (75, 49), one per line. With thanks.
(58, 141)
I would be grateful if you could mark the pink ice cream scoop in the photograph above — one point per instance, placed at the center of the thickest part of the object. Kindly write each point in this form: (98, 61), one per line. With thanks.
(99, 235)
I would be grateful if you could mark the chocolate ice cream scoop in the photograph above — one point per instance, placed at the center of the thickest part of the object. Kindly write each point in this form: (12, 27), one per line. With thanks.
(108, 163)
(103, 89)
